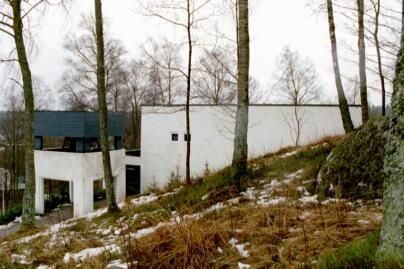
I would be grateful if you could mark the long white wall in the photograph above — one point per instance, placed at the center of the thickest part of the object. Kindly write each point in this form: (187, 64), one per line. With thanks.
(212, 133)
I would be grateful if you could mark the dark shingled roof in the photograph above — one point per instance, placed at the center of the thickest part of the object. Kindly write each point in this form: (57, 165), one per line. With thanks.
(76, 124)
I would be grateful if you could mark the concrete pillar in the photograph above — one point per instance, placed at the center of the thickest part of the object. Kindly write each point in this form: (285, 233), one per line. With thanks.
(83, 201)
(71, 191)
(39, 195)
(120, 186)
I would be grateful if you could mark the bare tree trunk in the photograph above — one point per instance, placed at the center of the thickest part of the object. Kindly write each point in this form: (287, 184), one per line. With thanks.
(392, 232)
(109, 181)
(188, 127)
(240, 152)
(343, 104)
(28, 212)
(379, 57)
(298, 124)
(362, 62)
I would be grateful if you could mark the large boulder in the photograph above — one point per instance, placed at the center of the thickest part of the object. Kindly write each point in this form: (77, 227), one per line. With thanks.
(354, 170)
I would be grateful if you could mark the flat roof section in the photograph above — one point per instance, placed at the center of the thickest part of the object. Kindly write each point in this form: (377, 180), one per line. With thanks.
(76, 124)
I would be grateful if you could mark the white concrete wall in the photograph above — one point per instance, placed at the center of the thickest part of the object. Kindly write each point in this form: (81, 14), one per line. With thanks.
(212, 133)
(81, 169)
(133, 160)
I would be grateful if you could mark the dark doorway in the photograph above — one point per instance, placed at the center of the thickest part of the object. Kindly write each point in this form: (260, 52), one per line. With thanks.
(132, 179)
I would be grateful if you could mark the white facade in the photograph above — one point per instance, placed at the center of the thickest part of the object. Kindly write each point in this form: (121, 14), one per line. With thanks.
(271, 127)
(81, 170)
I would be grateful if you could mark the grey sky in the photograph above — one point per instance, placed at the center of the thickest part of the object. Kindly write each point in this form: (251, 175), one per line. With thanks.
(273, 25)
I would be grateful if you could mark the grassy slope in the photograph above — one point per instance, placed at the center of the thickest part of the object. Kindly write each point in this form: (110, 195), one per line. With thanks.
(268, 221)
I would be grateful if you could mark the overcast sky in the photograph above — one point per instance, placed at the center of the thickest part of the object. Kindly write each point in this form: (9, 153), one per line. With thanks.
(273, 25)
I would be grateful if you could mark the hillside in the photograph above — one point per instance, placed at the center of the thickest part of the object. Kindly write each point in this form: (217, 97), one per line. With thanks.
(273, 220)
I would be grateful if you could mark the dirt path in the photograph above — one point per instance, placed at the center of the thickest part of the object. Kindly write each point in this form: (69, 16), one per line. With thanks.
(57, 215)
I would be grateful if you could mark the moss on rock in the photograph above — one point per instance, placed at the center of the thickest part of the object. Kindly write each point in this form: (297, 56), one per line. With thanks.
(355, 167)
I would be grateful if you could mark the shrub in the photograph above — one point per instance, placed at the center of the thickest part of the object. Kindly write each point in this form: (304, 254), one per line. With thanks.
(11, 214)
(355, 167)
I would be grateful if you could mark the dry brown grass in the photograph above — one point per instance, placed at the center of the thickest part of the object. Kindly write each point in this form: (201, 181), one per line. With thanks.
(186, 245)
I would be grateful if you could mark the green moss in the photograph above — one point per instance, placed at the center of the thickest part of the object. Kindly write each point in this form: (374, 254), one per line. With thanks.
(361, 253)
(355, 168)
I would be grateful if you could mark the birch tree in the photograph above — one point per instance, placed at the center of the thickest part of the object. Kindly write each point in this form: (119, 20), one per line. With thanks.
(186, 15)
(79, 82)
(162, 61)
(392, 231)
(240, 151)
(377, 9)
(362, 61)
(214, 81)
(14, 23)
(343, 104)
(297, 82)
(103, 110)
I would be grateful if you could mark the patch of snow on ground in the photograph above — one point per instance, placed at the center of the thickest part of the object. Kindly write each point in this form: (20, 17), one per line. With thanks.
(332, 200)
(90, 252)
(294, 174)
(363, 222)
(309, 199)
(250, 193)
(206, 196)
(295, 230)
(146, 231)
(240, 247)
(274, 201)
(45, 267)
(20, 259)
(288, 154)
(234, 201)
(243, 265)
(304, 215)
(172, 192)
(117, 264)
(216, 207)
(145, 199)
(303, 190)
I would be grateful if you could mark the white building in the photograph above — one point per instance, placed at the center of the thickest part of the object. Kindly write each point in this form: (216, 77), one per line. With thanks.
(79, 160)
(271, 127)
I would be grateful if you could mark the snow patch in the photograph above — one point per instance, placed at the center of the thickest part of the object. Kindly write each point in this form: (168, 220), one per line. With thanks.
(20, 259)
(250, 193)
(363, 222)
(117, 264)
(275, 201)
(303, 190)
(240, 247)
(243, 265)
(142, 200)
(45, 267)
(309, 199)
(288, 154)
(90, 252)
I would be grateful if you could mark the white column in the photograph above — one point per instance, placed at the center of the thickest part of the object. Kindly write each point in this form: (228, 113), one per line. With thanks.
(39, 195)
(83, 197)
(71, 191)
(120, 186)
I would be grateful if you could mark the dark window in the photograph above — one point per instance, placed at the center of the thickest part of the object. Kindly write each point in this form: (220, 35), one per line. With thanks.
(186, 137)
(174, 137)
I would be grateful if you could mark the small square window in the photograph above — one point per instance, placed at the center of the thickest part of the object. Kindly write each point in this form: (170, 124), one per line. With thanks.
(174, 137)
(186, 137)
